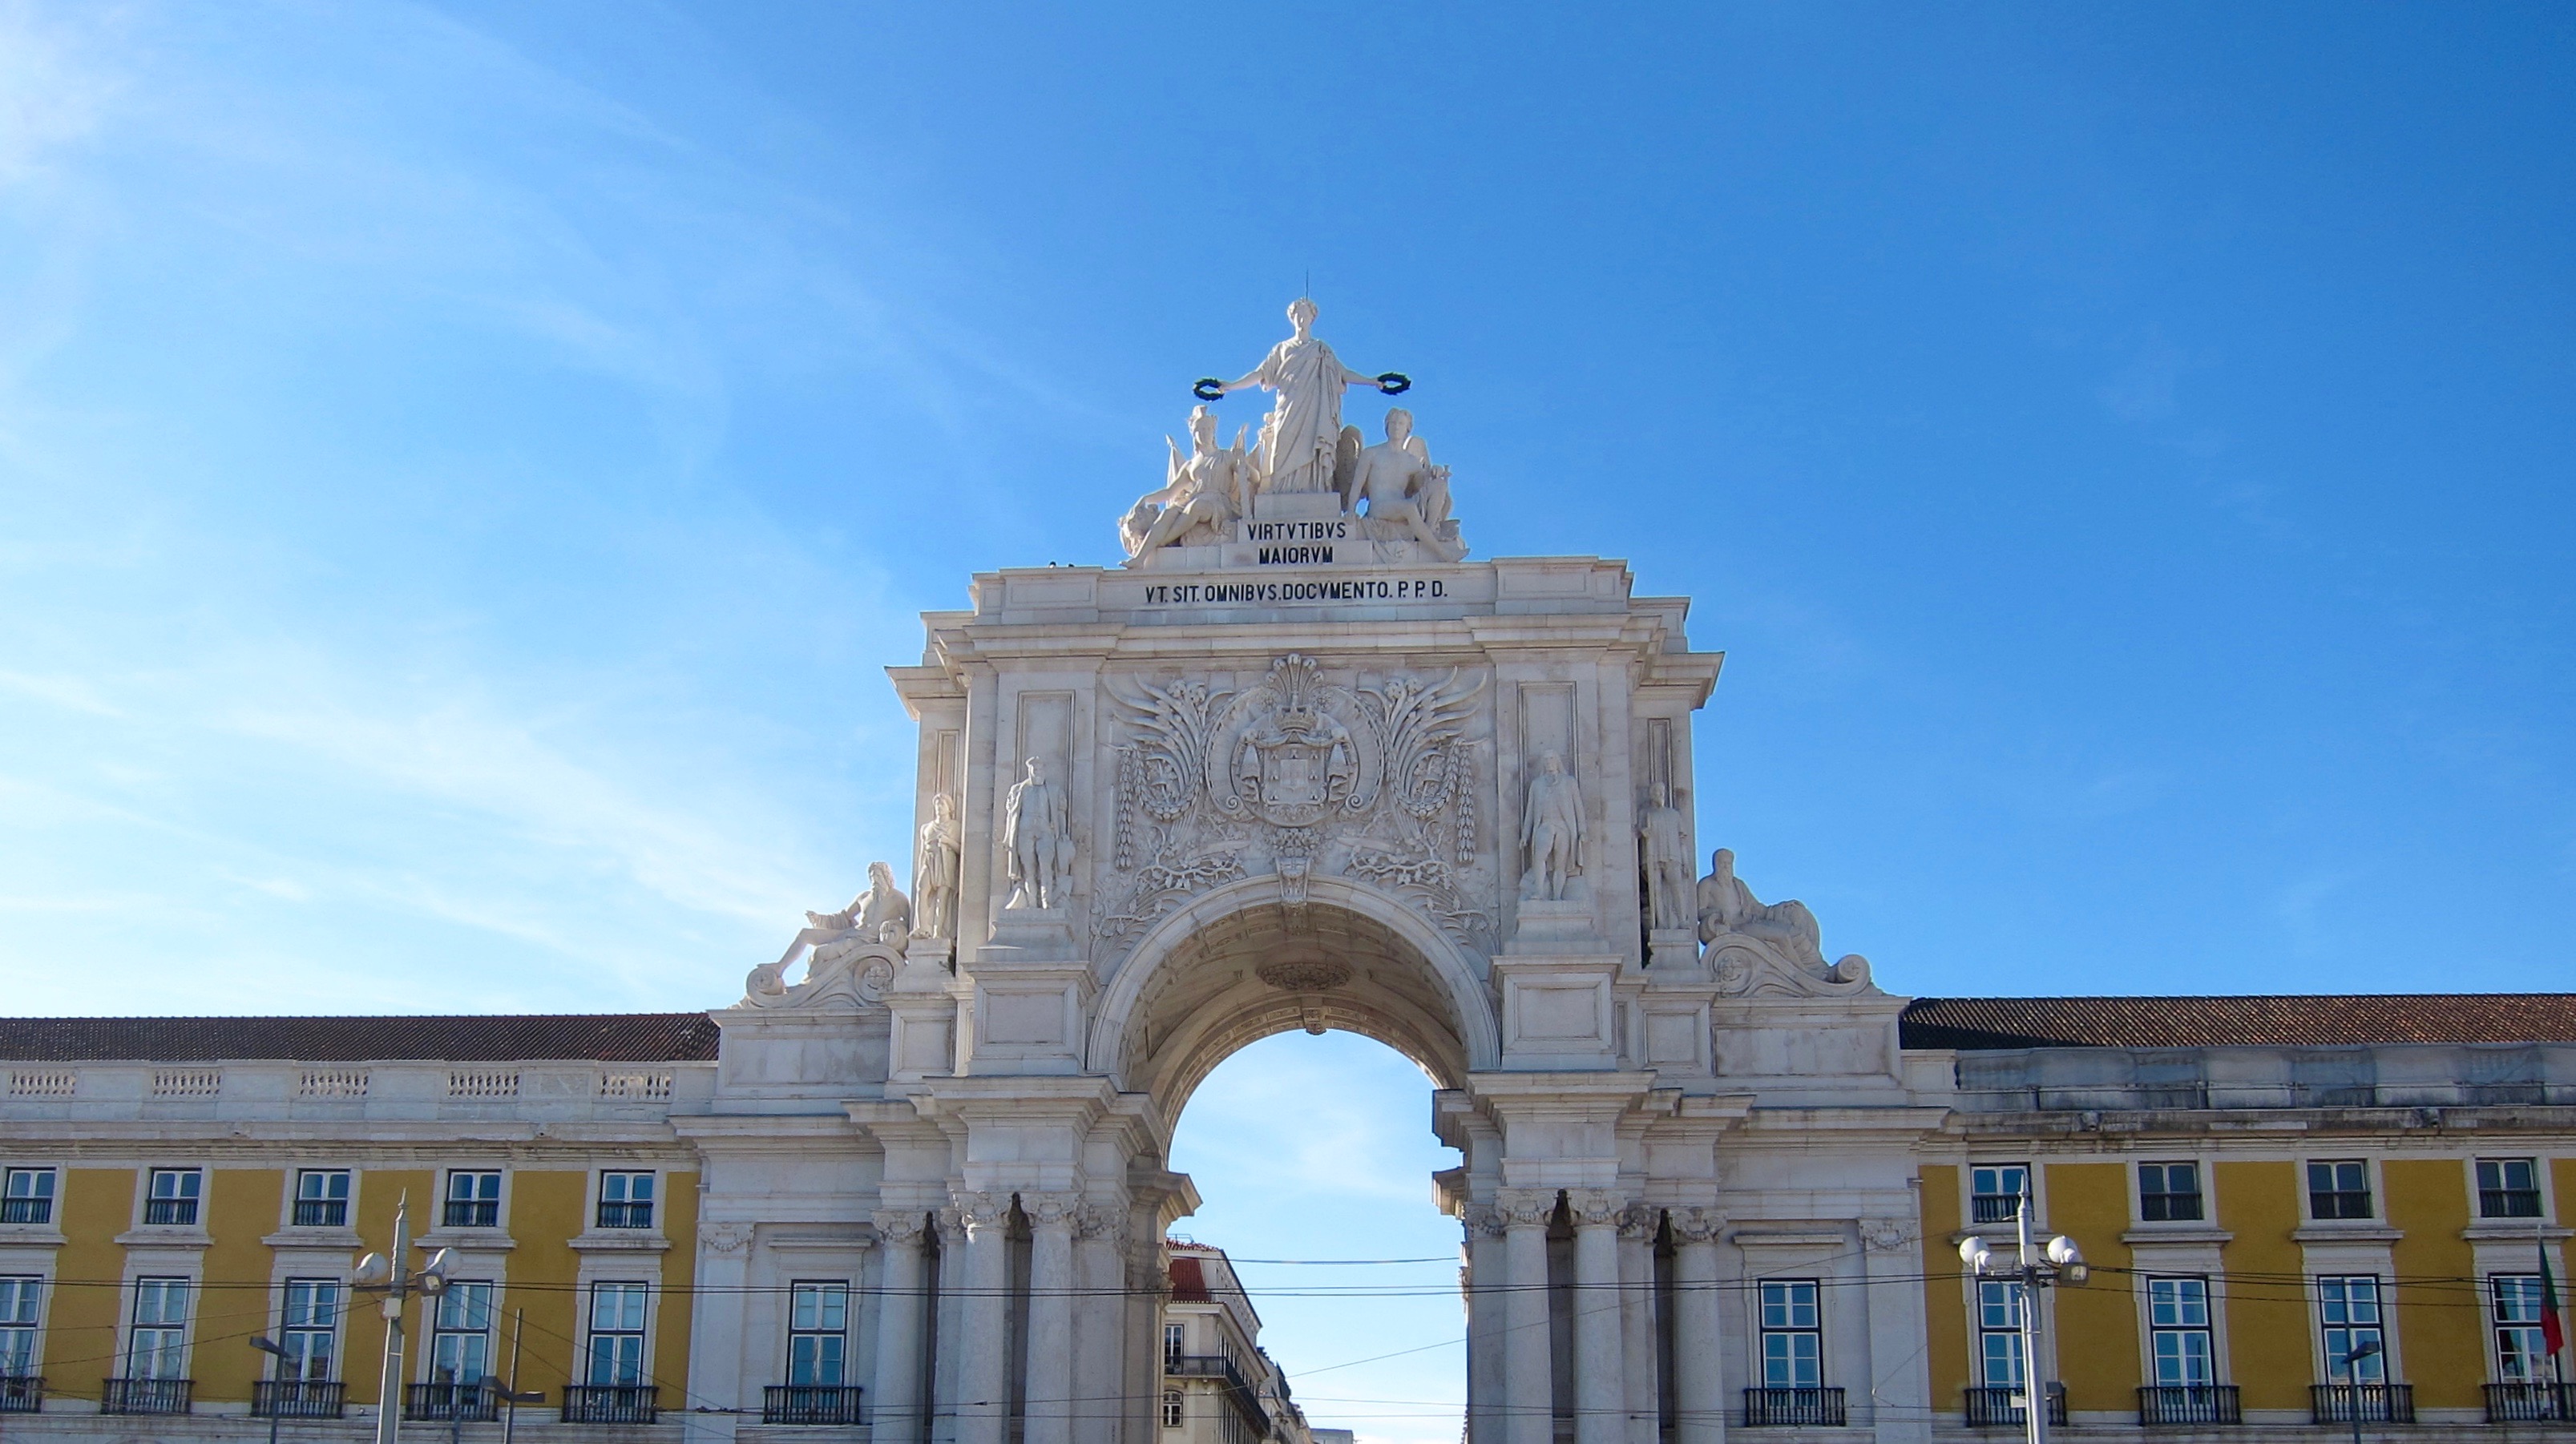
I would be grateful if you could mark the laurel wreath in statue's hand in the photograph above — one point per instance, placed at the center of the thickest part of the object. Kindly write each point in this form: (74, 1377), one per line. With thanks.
(1207, 388)
(1395, 383)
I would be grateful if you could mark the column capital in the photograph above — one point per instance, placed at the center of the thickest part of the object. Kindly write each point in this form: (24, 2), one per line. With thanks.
(1100, 1220)
(1485, 1220)
(902, 1228)
(1595, 1207)
(1525, 1207)
(1697, 1225)
(1054, 1212)
(983, 1214)
(1640, 1220)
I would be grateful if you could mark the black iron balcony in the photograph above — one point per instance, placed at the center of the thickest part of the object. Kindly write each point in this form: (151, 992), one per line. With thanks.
(612, 1403)
(1767, 1408)
(2169, 1404)
(2530, 1403)
(146, 1396)
(321, 1213)
(1994, 1208)
(170, 1210)
(471, 1213)
(469, 1403)
(2508, 1203)
(27, 1210)
(810, 1404)
(21, 1394)
(1238, 1390)
(296, 1398)
(2367, 1403)
(1992, 1408)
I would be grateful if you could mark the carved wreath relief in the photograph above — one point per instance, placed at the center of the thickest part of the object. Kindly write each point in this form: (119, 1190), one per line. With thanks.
(1298, 777)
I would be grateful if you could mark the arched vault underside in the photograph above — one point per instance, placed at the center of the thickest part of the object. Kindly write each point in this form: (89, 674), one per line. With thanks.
(1205, 985)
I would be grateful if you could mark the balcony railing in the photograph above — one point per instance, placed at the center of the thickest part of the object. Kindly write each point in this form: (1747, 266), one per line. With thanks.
(2508, 1203)
(27, 1210)
(170, 1210)
(810, 1404)
(21, 1394)
(146, 1396)
(1779, 1407)
(1238, 1390)
(612, 1403)
(321, 1213)
(626, 1215)
(471, 1213)
(296, 1398)
(2189, 1404)
(1989, 1408)
(2368, 1403)
(471, 1403)
(1993, 1207)
(2530, 1403)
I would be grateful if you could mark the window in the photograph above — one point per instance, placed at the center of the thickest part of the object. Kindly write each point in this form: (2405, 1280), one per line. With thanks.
(322, 1198)
(30, 1196)
(2178, 1321)
(818, 1325)
(1999, 1333)
(617, 1333)
(473, 1200)
(1172, 1414)
(1997, 1189)
(18, 1299)
(307, 1326)
(460, 1340)
(2508, 1188)
(2521, 1357)
(158, 1346)
(2339, 1190)
(173, 1195)
(1793, 1336)
(2348, 1309)
(626, 1200)
(1175, 1343)
(2169, 1192)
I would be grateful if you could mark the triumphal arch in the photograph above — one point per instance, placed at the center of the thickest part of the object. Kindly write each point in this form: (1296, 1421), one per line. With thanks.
(1302, 761)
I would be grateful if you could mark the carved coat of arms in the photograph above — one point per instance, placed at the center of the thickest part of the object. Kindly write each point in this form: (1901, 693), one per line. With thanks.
(1296, 776)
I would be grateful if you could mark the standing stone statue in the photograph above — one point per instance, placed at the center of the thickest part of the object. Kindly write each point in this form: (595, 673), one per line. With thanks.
(1039, 837)
(1404, 490)
(1299, 438)
(1662, 831)
(935, 871)
(1726, 905)
(1551, 830)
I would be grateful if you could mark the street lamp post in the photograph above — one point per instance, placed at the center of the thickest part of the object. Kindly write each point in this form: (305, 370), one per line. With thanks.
(2352, 1380)
(391, 1276)
(267, 1345)
(2059, 1260)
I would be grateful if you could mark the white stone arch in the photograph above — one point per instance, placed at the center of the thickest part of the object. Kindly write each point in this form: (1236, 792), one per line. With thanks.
(1450, 970)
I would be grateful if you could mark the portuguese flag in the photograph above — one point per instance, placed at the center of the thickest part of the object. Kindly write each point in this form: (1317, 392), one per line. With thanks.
(2553, 1330)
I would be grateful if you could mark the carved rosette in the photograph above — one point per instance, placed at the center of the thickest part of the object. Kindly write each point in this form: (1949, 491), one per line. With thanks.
(1296, 777)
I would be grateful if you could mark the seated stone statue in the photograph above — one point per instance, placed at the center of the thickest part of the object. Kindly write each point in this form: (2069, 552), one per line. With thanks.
(1406, 495)
(865, 920)
(1206, 487)
(1726, 905)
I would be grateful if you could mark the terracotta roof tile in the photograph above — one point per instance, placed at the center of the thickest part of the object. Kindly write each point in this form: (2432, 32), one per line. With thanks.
(2289, 1019)
(605, 1037)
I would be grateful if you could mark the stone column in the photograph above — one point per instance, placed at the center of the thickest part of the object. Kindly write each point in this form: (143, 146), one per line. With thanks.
(1052, 1284)
(1697, 1387)
(1600, 1374)
(720, 1323)
(1100, 1324)
(1637, 1321)
(1528, 1399)
(1488, 1310)
(1900, 1403)
(896, 1398)
(983, 1365)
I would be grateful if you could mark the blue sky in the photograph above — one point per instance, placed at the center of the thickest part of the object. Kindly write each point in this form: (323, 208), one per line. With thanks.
(462, 469)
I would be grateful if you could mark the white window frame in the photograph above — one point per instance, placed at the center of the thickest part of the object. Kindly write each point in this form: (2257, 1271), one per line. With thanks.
(155, 1289)
(2138, 1192)
(22, 1324)
(1175, 1409)
(2525, 1286)
(1765, 1331)
(44, 1184)
(652, 1201)
(188, 1185)
(500, 1197)
(2370, 1183)
(456, 1302)
(2333, 1291)
(2007, 1304)
(347, 1199)
(639, 1290)
(295, 1364)
(825, 1294)
(2030, 1176)
(2214, 1356)
(2539, 1190)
